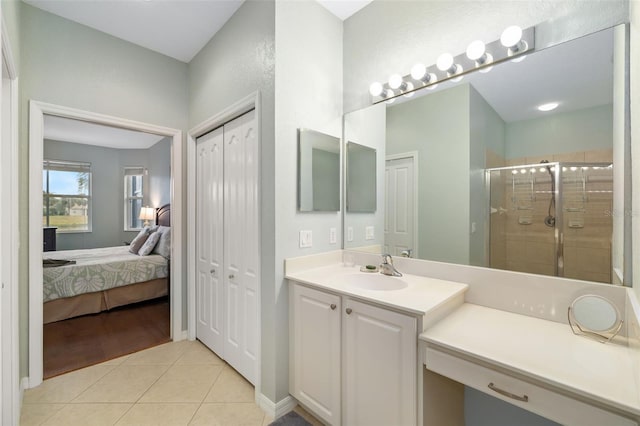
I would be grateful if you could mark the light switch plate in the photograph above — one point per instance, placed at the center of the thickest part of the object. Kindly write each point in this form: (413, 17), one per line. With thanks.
(306, 239)
(333, 236)
(350, 233)
(369, 233)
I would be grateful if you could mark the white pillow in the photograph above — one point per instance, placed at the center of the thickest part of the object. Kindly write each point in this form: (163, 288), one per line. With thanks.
(139, 240)
(151, 242)
(163, 248)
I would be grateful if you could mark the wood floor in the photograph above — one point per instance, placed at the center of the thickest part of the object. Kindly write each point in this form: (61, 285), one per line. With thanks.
(79, 342)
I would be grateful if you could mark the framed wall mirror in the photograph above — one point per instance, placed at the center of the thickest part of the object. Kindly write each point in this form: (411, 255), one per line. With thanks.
(522, 168)
(318, 172)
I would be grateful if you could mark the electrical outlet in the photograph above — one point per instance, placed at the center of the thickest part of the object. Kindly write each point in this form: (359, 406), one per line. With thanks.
(306, 239)
(333, 235)
(350, 233)
(473, 227)
(369, 233)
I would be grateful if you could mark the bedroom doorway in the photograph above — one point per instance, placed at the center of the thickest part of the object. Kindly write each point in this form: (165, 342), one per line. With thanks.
(77, 205)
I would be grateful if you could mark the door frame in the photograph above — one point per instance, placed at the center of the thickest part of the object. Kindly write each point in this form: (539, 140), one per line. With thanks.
(37, 110)
(413, 155)
(11, 402)
(239, 108)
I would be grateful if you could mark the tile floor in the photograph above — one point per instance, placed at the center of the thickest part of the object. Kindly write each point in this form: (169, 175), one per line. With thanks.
(178, 383)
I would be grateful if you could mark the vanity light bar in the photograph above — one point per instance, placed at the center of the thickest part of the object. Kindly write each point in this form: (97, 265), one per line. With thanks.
(512, 46)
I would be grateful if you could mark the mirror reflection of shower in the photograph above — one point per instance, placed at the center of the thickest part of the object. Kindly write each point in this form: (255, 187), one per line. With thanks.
(552, 218)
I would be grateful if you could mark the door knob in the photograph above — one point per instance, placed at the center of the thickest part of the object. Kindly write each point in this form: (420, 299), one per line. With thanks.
(333, 306)
(349, 311)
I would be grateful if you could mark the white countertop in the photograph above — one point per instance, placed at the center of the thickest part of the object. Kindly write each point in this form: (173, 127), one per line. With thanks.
(543, 350)
(423, 294)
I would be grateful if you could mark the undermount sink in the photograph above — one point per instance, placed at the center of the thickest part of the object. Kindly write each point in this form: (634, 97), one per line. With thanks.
(373, 281)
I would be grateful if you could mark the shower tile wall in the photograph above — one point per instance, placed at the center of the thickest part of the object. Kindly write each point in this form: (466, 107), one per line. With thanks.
(520, 241)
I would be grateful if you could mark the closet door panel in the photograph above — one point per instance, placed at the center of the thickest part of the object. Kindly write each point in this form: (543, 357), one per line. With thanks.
(240, 248)
(209, 247)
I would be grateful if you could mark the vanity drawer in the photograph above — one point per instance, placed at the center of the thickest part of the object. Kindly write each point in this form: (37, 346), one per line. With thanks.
(547, 403)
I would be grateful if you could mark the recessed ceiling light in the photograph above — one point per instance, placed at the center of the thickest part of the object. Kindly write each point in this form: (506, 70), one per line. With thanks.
(548, 107)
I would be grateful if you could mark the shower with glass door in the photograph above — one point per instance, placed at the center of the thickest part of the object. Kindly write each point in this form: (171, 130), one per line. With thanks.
(552, 218)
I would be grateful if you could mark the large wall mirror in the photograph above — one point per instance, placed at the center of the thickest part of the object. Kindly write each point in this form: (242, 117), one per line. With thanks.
(487, 171)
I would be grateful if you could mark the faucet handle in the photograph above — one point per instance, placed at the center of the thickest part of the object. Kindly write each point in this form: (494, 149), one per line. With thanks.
(387, 259)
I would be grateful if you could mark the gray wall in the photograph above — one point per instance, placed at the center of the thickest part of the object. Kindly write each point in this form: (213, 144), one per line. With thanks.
(107, 169)
(486, 132)
(438, 127)
(581, 130)
(72, 65)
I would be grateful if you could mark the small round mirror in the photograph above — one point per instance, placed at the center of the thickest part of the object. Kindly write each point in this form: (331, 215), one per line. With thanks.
(595, 313)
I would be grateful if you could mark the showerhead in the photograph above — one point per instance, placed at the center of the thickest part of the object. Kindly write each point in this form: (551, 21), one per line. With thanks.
(548, 167)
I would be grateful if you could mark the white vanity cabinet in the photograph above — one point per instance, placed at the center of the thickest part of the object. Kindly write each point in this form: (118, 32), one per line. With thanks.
(314, 331)
(367, 352)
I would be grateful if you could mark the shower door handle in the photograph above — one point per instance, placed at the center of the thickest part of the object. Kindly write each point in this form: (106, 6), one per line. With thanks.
(561, 254)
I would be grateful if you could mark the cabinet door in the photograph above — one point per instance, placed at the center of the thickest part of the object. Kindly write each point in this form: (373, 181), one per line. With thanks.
(380, 355)
(315, 351)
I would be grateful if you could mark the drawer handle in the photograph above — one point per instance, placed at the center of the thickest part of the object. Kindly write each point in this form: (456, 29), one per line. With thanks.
(333, 306)
(523, 398)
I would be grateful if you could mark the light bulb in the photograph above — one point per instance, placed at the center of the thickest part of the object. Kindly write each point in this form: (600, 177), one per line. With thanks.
(395, 81)
(475, 50)
(511, 36)
(418, 72)
(389, 94)
(444, 62)
(409, 87)
(375, 89)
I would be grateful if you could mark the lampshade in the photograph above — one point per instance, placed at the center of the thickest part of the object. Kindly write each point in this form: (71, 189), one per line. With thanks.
(147, 213)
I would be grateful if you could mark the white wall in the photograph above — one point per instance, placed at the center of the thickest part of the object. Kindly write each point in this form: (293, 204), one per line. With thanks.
(308, 81)
(72, 65)
(635, 136)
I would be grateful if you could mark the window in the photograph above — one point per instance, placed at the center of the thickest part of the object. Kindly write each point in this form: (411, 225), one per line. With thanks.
(133, 196)
(66, 190)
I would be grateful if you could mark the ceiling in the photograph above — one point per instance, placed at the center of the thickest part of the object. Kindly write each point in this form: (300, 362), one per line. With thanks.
(82, 132)
(176, 28)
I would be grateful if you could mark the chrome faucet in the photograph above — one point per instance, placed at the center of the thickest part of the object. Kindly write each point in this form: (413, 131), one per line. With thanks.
(387, 268)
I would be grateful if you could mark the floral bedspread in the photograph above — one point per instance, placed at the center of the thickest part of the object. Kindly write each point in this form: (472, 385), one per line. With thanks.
(99, 269)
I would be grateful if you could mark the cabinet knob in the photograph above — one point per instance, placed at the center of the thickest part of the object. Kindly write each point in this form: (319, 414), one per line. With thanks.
(333, 306)
(213, 271)
(231, 276)
(349, 311)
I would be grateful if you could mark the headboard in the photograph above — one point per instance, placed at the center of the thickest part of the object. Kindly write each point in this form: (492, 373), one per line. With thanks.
(163, 215)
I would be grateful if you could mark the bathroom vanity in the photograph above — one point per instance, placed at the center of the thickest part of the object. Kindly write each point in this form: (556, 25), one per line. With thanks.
(354, 341)
(373, 349)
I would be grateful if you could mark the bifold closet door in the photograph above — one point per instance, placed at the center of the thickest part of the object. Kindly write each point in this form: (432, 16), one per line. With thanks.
(209, 244)
(241, 244)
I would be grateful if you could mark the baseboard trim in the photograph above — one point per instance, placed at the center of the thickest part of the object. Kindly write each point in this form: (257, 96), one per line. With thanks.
(278, 409)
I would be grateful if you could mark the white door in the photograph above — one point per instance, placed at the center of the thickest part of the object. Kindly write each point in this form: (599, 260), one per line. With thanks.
(241, 244)
(315, 358)
(380, 348)
(209, 243)
(400, 207)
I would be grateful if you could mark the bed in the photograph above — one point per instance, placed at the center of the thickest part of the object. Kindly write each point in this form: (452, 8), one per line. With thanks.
(102, 279)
